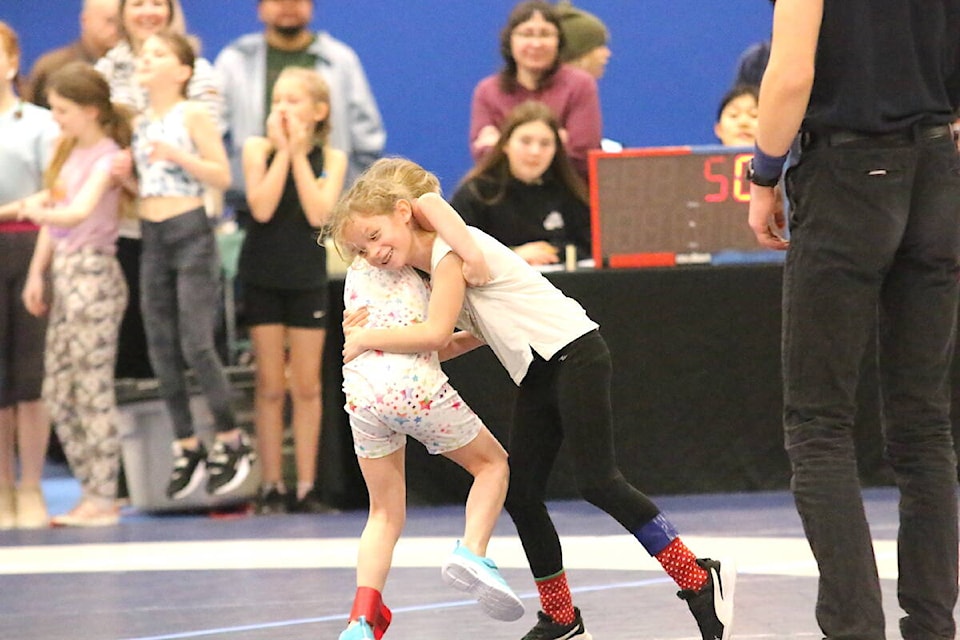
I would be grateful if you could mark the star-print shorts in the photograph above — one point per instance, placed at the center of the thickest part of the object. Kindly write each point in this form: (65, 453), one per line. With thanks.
(442, 421)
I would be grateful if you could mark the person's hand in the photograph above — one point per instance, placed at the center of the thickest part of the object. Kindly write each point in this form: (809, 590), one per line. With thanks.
(476, 273)
(538, 253)
(36, 215)
(277, 130)
(488, 137)
(34, 206)
(355, 318)
(766, 217)
(162, 151)
(121, 166)
(33, 295)
(353, 343)
(299, 135)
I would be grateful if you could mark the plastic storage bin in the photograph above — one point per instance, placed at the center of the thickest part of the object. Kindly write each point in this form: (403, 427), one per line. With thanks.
(146, 435)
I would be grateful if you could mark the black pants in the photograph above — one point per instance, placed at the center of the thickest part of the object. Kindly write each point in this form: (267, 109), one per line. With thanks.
(567, 397)
(874, 242)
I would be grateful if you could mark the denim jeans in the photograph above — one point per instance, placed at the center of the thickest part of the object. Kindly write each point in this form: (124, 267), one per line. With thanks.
(180, 294)
(875, 240)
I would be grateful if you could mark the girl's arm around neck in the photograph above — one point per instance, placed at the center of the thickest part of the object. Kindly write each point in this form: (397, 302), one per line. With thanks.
(448, 224)
(446, 298)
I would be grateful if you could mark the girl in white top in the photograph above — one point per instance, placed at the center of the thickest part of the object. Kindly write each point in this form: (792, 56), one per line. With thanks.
(555, 354)
(79, 214)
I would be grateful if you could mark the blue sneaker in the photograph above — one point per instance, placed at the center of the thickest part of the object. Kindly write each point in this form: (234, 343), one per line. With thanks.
(480, 577)
(359, 631)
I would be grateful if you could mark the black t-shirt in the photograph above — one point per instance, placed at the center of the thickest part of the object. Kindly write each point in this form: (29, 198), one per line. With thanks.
(527, 213)
(283, 252)
(884, 65)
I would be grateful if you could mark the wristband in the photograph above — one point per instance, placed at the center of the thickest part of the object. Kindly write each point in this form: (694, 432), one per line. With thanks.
(765, 167)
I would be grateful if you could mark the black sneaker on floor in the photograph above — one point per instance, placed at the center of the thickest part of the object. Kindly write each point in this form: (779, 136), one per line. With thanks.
(188, 468)
(228, 466)
(547, 629)
(712, 605)
(272, 502)
(311, 503)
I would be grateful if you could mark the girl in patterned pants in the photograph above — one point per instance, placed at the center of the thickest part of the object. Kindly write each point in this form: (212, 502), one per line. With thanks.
(78, 214)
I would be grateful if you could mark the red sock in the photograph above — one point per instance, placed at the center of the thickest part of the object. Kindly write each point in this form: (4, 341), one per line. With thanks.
(681, 564)
(555, 598)
(369, 603)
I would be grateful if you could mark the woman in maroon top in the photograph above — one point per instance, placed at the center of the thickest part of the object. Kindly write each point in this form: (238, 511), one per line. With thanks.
(530, 44)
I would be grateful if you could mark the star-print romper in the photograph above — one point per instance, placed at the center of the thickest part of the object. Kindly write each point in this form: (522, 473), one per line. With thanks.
(392, 395)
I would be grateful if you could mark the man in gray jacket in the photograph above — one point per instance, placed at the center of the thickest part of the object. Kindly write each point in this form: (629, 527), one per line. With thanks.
(249, 66)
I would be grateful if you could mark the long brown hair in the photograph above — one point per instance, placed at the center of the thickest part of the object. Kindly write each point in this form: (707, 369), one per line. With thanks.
(489, 178)
(78, 82)
(520, 14)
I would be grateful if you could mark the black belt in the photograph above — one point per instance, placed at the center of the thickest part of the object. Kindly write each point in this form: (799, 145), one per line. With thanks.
(919, 133)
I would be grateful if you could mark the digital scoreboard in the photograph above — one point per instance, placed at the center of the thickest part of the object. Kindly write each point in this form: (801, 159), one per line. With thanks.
(671, 205)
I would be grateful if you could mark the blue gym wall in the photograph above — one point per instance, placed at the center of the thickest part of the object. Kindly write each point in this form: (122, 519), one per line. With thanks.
(672, 60)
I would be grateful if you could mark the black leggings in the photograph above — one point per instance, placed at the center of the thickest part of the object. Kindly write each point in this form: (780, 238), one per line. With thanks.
(567, 396)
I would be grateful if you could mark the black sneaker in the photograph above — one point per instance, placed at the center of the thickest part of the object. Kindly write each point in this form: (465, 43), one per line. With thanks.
(228, 466)
(547, 629)
(712, 605)
(272, 502)
(311, 503)
(188, 468)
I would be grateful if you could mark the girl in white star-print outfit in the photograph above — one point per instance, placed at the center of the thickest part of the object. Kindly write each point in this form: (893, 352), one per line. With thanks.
(390, 396)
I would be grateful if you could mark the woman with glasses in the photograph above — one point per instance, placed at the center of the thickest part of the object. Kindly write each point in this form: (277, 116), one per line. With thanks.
(531, 44)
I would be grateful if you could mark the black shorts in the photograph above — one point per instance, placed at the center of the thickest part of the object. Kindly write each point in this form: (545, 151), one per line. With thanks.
(22, 335)
(303, 308)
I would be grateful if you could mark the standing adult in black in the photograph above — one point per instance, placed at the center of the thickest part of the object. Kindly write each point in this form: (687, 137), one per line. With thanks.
(872, 87)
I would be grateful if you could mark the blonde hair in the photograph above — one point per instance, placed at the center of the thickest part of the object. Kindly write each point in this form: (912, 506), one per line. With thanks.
(318, 90)
(376, 193)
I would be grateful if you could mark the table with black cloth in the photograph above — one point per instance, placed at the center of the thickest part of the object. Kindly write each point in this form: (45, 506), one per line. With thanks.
(696, 388)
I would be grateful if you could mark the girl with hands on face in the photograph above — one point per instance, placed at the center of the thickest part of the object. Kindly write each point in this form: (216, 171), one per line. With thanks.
(293, 180)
